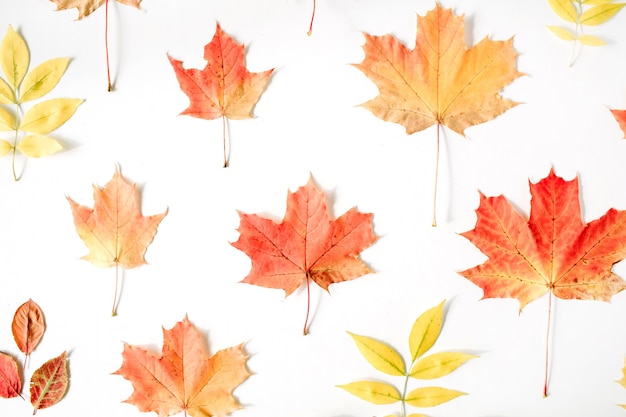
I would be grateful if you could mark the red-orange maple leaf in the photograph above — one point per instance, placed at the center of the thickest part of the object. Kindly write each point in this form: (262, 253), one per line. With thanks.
(184, 377)
(224, 87)
(620, 116)
(554, 251)
(307, 244)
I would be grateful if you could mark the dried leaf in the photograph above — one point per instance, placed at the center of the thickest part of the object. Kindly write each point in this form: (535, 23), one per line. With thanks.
(425, 331)
(184, 377)
(43, 78)
(10, 378)
(37, 146)
(600, 13)
(591, 40)
(564, 9)
(7, 120)
(439, 364)
(380, 355)
(373, 391)
(49, 383)
(86, 7)
(5, 147)
(28, 326)
(620, 116)
(563, 33)
(431, 396)
(14, 58)
(48, 115)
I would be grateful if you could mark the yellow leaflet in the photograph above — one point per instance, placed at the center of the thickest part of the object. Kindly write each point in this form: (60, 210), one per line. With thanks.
(36, 146)
(48, 115)
(417, 415)
(5, 147)
(372, 391)
(14, 57)
(7, 96)
(562, 32)
(600, 14)
(564, 9)
(591, 40)
(596, 2)
(439, 364)
(425, 331)
(380, 355)
(43, 78)
(431, 396)
(7, 120)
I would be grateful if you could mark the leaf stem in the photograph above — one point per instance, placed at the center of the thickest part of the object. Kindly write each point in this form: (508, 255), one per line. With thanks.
(308, 305)
(114, 308)
(17, 123)
(406, 384)
(545, 381)
(312, 18)
(224, 140)
(106, 42)
(434, 223)
(579, 10)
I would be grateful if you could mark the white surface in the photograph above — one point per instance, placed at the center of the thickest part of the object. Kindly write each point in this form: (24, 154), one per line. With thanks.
(308, 122)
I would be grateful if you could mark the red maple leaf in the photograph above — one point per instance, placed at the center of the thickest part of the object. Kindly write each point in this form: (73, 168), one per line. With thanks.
(306, 245)
(554, 251)
(620, 116)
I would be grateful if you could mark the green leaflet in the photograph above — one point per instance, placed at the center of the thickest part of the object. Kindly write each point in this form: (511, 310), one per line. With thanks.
(424, 333)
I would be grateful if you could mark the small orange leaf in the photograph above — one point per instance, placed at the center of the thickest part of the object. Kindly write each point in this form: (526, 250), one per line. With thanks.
(28, 327)
(620, 116)
(10, 379)
(49, 383)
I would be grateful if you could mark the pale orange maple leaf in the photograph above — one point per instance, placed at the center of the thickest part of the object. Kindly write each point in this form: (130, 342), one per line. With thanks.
(114, 230)
(306, 245)
(184, 377)
(554, 251)
(86, 7)
(224, 87)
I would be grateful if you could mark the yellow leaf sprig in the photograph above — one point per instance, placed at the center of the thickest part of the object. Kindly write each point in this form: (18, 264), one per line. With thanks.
(20, 86)
(424, 334)
(582, 13)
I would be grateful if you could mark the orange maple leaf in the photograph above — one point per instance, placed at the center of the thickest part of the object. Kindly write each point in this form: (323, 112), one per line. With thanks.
(440, 81)
(86, 7)
(554, 251)
(114, 230)
(620, 117)
(184, 377)
(224, 87)
(306, 245)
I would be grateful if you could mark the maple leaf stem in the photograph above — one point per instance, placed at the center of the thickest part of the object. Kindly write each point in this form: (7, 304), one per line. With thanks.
(114, 309)
(224, 140)
(312, 18)
(434, 223)
(106, 43)
(545, 381)
(308, 305)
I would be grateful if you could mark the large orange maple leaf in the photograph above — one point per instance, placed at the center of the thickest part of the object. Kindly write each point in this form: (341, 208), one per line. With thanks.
(306, 245)
(184, 378)
(554, 251)
(114, 230)
(224, 87)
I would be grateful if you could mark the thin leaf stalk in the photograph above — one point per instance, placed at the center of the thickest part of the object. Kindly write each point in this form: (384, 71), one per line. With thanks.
(114, 308)
(15, 140)
(434, 223)
(547, 358)
(308, 305)
(312, 18)
(106, 43)
(224, 140)
(579, 11)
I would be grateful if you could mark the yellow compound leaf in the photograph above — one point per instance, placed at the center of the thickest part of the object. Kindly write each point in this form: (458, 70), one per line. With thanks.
(36, 146)
(562, 33)
(591, 40)
(5, 147)
(14, 57)
(600, 14)
(425, 331)
(48, 115)
(7, 120)
(380, 355)
(373, 391)
(564, 9)
(431, 396)
(7, 96)
(439, 364)
(43, 78)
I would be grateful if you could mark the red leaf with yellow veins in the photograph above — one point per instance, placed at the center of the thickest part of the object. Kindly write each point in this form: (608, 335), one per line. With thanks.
(49, 383)
(553, 252)
(114, 230)
(184, 377)
(224, 87)
(306, 245)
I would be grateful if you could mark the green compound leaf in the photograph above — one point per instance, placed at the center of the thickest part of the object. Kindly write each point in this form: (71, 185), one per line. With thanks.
(373, 391)
(380, 355)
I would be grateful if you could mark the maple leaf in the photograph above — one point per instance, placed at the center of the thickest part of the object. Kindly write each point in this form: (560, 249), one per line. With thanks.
(49, 383)
(114, 230)
(85, 8)
(28, 327)
(306, 245)
(553, 252)
(440, 81)
(224, 87)
(184, 377)
(620, 117)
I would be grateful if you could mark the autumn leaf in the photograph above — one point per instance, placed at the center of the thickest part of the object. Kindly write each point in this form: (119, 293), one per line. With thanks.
(620, 117)
(10, 378)
(49, 383)
(85, 8)
(114, 230)
(306, 245)
(224, 87)
(622, 381)
(440, 81)
(553, 252)
(582, 13)
(184, 378)
(21, 87)
(28, 327)
(423, 335)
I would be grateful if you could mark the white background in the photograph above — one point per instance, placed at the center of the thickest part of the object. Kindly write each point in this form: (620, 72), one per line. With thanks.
(308, 123)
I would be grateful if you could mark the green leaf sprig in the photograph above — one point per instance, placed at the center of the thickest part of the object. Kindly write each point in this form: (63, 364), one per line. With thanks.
(582, 13)
(386, 359)
(20, 86)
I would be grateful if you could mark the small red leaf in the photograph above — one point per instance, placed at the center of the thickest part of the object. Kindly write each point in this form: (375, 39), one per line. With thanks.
(10, 379)
(28, 326)
(49, 383)
(620, 116)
